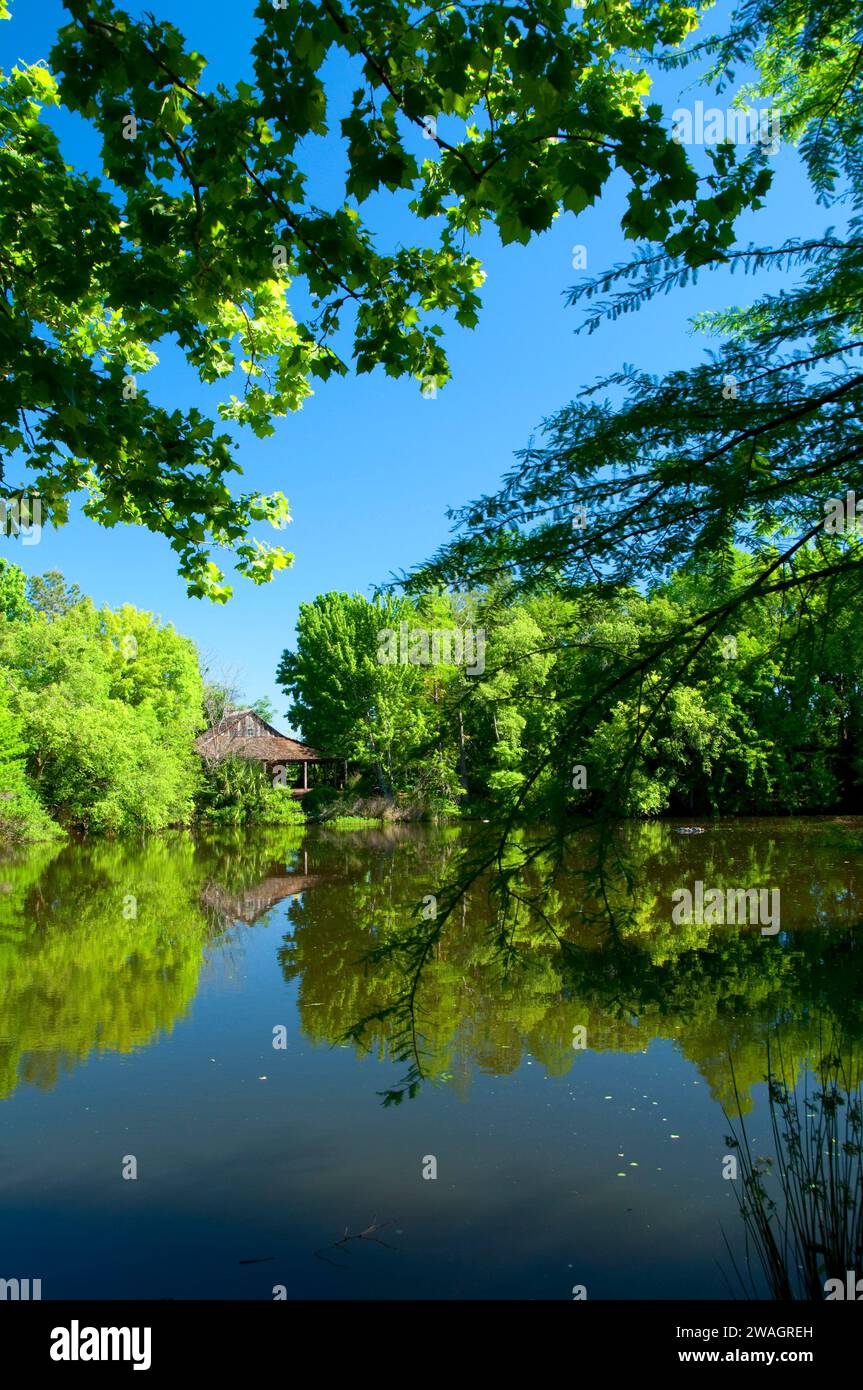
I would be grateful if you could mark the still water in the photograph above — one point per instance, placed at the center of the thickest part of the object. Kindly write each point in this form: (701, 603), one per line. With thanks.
(142, 988)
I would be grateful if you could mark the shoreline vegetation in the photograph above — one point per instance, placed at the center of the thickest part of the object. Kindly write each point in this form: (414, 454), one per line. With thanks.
(100, 710)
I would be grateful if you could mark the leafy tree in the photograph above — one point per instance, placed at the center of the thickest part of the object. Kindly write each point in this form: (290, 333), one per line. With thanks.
(504, 711)
(200, 224)
(725, 475)
(22, 818)
(264, 707)
(347, 702)
(51, 594)
(13, 592)
(110, 703)
(769, 718)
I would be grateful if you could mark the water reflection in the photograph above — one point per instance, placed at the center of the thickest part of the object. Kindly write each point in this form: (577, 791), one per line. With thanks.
(470, 994)
(102, 947)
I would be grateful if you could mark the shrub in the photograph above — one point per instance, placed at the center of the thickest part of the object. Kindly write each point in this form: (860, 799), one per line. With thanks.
(235, 791)
(22, 817)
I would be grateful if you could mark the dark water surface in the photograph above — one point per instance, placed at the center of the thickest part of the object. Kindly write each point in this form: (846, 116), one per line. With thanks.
(140, 986)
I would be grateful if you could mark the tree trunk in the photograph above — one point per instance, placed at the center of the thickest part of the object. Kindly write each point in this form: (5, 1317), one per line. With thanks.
(462, 758)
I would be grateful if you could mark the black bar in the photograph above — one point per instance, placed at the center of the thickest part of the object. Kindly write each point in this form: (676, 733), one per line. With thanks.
(248, 1339)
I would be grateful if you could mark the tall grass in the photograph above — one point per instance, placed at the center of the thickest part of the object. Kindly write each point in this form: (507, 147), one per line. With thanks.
(802, 1205)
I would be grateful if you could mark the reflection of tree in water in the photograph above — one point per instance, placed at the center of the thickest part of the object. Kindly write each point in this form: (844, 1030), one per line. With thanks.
(802, 1204)
(475, 986)
(102, 945)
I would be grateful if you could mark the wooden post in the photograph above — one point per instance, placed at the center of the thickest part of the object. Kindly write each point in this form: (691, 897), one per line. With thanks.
(305, 775)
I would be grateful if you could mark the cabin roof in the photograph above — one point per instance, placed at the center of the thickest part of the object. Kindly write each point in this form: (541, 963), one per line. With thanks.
(265, 745)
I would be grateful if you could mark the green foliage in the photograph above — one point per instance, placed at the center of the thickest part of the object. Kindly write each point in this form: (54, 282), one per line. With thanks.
(99, 711)
(280, 807)
(236, 791)
(264, 707)
(22, 818)
(13, 592)
(108, 703)
(318, 799)
(198, 225)
(763, 715)
(351, 822)
(50, 594)
(347, 702)
(668, 521)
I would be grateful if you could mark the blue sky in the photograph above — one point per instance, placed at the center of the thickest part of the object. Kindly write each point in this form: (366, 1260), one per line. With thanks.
(370, 466)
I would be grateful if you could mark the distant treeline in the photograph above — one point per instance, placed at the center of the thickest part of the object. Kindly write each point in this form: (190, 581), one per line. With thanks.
(604, 700)
(99, 710)
(542, 706)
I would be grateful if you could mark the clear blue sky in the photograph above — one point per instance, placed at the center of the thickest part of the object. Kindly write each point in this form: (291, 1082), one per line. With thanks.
(368, 465)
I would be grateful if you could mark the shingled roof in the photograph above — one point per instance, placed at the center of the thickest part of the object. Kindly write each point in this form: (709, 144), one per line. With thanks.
(244, 734)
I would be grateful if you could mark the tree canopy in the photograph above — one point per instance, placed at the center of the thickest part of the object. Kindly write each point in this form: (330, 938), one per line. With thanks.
(768, 720)
(197, 225)
(736, 474)
(99, 709)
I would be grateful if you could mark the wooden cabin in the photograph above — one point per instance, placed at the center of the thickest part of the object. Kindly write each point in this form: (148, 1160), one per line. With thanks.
(244, 734)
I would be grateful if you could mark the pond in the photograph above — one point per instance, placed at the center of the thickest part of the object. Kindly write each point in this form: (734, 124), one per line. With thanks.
(274, 1062)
